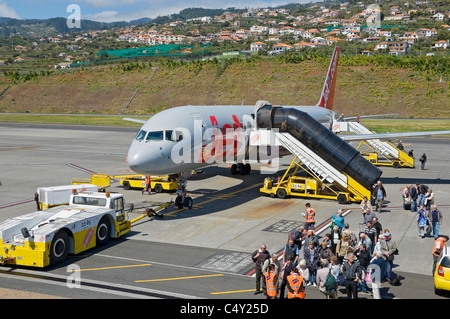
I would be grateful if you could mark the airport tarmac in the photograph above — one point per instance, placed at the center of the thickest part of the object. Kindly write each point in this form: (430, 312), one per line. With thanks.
(209, 246)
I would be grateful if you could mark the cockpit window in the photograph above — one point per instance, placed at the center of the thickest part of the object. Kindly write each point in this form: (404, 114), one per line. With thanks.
(169, 135)
(140, 135)
(155, 136)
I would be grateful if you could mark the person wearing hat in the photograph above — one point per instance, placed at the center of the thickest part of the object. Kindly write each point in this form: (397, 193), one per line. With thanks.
(388, 248)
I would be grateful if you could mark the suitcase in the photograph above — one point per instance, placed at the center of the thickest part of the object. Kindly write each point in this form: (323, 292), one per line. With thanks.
(407, 203)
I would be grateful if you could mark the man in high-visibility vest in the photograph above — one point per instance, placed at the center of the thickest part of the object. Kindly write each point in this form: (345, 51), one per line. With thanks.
(271, 282)
(437, 249)
(295, 285)
(148, 182)
(310, 217)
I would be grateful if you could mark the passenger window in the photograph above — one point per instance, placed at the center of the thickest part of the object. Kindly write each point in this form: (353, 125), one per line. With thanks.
(178, 136)
(169, 135)
(155, 136)
(140, 135)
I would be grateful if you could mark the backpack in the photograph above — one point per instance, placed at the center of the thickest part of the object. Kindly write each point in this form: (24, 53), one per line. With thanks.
(330, 283)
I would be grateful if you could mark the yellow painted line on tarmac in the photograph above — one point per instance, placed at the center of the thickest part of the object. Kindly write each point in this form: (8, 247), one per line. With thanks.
(179, 278)
(114, 267)
(213, 198)
(230, 292)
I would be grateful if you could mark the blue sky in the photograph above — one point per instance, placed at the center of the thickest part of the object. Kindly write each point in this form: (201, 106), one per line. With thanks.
(118, 10)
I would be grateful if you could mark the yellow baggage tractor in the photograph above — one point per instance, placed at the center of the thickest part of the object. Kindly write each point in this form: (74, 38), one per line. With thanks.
(47, 237)
(157, 183)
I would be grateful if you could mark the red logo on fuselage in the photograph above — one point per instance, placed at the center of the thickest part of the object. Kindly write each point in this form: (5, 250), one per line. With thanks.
(225, 140)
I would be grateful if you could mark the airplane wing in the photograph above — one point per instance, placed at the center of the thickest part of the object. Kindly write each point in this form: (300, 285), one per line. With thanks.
(360, 137)
(369, 116)
(134, 120)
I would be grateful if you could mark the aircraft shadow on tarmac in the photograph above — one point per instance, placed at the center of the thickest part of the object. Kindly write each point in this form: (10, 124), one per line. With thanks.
(408, 180)
(209, 201)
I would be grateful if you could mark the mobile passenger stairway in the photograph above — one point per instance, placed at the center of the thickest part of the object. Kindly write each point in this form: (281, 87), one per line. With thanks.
(378, 152)
(321, 153)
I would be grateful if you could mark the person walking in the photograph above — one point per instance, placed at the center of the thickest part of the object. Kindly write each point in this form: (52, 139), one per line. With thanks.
(414, 194)
(423, 160)
(379, 193)
(377, 273)
(435, 217)
(429, 199)
(421, 192)
(310, 217)
(365, 205)
(388, 249)
(259, 257)
(439, 245)
(421, 221)
(352, 273)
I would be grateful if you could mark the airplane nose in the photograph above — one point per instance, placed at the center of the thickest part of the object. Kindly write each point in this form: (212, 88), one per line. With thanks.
(139, 157)
(147, 159)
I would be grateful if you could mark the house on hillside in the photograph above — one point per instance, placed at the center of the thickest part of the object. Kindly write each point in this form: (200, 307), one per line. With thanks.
(442, 44)
(424, 32)
(280, 48)
(256, 46)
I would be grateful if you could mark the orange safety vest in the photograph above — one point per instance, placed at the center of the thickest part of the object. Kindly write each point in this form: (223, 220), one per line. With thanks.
(437, 251)
(310, 212)
(147, 179)
(295, 283)
(270, 284)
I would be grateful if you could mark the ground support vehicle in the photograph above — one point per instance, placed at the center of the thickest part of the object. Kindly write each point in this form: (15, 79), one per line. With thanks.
(102, 181)
(60, 195)
(47, 237)
(157, 183)
(401, 159)
(442, 272)
(313, 187)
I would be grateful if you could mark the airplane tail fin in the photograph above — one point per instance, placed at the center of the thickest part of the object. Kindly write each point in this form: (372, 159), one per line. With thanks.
(327, 96)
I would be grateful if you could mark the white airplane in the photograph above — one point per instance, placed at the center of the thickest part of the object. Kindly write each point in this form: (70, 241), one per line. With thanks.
(186, 138)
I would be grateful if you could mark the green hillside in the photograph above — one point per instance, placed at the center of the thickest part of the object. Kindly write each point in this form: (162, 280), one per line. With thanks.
(412, 87)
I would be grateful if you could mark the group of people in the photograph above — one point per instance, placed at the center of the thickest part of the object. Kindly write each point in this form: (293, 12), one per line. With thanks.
(421, 199)
(422, 159)
(342, 257)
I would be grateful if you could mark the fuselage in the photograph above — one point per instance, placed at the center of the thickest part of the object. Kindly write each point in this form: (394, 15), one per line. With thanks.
(186, 138)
